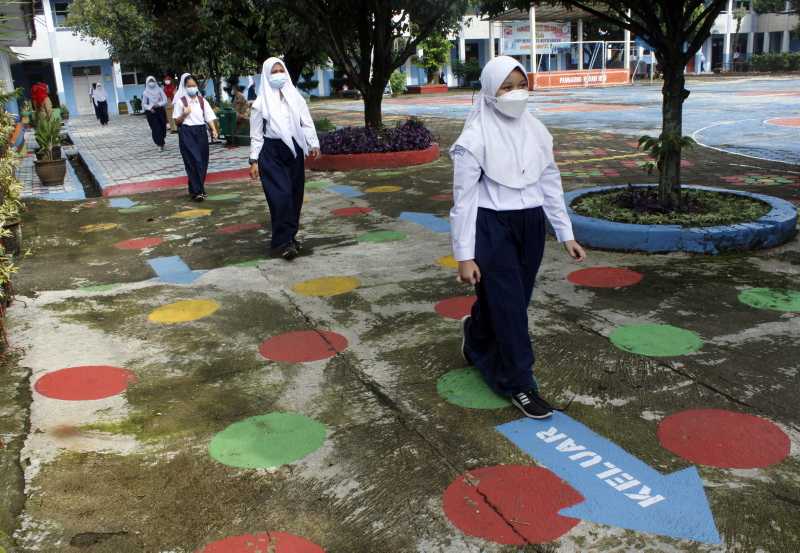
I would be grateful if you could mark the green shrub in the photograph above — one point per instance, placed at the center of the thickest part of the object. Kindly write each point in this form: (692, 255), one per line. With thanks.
(324, 125)
(397, 82)
(468, 71)
(784, 61)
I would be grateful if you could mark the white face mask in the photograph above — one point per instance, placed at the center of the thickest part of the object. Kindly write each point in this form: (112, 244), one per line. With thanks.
(277, 80)
(168, 81)
(191, 90)
(151, 84)
(513, 104)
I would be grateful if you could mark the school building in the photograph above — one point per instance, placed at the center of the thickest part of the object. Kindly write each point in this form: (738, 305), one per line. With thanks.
(18, 30)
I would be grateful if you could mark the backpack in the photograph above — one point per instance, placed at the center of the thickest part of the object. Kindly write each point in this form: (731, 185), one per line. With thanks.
(185, 103)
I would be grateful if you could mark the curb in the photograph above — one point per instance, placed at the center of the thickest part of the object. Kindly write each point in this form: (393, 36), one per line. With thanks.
(383, 160)
(773, 229)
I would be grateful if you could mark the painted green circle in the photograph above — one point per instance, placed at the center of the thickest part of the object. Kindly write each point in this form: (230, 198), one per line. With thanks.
(317, 184)
(136, 208)
(771, 298)
(267, 441)
(656, 340)
(382, 236)
(98, 287)
(466, 388)
(223, 197)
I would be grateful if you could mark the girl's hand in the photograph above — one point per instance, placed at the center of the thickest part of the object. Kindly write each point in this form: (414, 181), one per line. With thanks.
(254, 174)
(314, 153)
(575, 250)
(468, 272)
(214, 133)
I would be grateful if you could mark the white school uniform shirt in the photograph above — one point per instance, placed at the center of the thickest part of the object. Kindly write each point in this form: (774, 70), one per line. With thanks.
(472, 189)
(257, 126)
(195, 117)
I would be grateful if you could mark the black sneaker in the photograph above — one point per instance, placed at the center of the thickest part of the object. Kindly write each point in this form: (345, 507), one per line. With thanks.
(197, 198)
(541, 401)
(298, 245)
(289, 252)
(528, 403)
(464, 321)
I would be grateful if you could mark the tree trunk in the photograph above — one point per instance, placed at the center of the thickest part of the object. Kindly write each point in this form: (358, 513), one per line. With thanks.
(373, 98)
(295, 64)
(674, 94)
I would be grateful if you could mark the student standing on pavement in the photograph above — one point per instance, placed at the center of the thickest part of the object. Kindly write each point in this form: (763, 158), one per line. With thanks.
(505, 182)
(154, 102)
(169, 90)
(102, 103)
(282, 134)
(194, 117)
(94, 102)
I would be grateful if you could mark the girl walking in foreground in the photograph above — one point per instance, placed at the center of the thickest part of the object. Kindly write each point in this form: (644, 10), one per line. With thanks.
(505, 182)
(282, 134)
(154, 101)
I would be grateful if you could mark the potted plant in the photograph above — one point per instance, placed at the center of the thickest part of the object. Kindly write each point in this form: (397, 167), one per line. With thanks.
(136, 104)
(10, 204)
(50, 167)
(27, 110)
(64, 113)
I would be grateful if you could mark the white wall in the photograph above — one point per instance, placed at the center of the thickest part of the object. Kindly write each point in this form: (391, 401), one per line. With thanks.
(60, 43)
(40, 49)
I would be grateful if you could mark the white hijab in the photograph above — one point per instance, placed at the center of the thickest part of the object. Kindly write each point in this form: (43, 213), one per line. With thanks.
(511, 151)
(100, 93)
(181, 89)
(155, 94)
(269, 101)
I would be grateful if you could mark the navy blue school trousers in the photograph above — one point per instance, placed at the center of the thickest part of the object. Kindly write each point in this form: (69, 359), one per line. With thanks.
(102, 112)
(283, 179)
(508, 250)
(157, 119)
(193, 142)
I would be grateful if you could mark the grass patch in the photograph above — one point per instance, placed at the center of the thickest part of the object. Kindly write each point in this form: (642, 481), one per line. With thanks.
(700, 208)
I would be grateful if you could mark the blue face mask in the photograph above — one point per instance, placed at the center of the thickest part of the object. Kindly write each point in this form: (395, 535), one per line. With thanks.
(277, 80)
(191, 90)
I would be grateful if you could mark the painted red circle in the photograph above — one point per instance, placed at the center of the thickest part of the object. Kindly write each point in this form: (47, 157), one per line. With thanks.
(272, 542)
(455, 308)
(785, 121)
(85, 383)
(442, 197)
(351, 211)
(241, 227)
(605, 277)
(721, 438)
(511, 504)
(139, 243)
(303, 346)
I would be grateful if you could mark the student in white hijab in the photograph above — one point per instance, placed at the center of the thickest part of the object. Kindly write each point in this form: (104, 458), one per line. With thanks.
(194, 117)
(101, 98)
(154, 103)
(282, 135)
(505, 183)
(94, 103)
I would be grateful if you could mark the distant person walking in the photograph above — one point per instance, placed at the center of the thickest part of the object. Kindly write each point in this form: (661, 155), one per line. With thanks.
(42, 104)
(94, 103)
(101, 98)
(169, 90)
(194, 117)
(154, 102)
(282, 134)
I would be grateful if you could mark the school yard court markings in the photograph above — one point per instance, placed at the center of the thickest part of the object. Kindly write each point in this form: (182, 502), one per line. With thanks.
(85, 383)
(769, 298)
(122, 203)
(466, 388)
(137, 187)
(351, 211)
(173, 270)
(97, 288)
(99, 227)
(605, 277)
(724, 439)
(239, 227)
(378, 236)
(455, 308)
(757, 93)
(442, 197)
(510, 504)
(139, 243)
(761, 179)
(317, 184)
(303, 346)
(267, 441)
(136, 209)
(193, 213)
(346, 191)
(384, 189)
(267, 542)
(619, 489)
(784, 121)
(588, 108)
(183, 311)
(656, 340)
(223, 197)
(427, 220)
(326, 286)
(448, 262)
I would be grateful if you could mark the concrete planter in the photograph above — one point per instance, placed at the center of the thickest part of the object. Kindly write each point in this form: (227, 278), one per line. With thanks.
(773, 229)
(387, 160)
(51, 173)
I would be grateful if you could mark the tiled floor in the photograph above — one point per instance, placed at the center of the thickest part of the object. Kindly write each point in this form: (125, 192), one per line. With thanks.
(72, 188)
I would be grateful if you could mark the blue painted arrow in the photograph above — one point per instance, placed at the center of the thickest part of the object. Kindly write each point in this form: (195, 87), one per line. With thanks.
(122, 203)
(427, 220)
(346, 191)
(620, 490)
(173, 270)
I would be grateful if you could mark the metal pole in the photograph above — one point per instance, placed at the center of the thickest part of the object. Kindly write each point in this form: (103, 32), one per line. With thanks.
(491, 39)
(627, 57)
(532, 21)
(580, 44)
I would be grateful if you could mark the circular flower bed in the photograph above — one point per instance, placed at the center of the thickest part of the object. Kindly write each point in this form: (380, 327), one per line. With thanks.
(410, 143)
(715, 220)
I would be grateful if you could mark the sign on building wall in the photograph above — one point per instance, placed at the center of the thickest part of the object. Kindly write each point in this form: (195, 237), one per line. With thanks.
(517, 37)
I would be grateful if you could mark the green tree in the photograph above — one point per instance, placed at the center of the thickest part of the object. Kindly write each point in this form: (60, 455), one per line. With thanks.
(676, 29)
(435, 53)
(369, 39)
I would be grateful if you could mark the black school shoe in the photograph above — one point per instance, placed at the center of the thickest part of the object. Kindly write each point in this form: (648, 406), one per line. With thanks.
(464, 323)
(531, 405)
(198, 197)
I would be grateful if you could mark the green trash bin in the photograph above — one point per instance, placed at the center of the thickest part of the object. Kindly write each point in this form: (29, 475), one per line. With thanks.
(227, 122)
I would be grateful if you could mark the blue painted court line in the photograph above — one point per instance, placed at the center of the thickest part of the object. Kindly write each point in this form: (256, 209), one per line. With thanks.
(620, 490)
(427, 220)
(173, 270)
(346, 191)
(121, 203)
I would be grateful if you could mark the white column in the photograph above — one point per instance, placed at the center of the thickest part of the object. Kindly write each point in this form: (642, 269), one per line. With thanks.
(787, 29)
(502, 38)
(408, 72)
(491, 40)
(532, 21)
(320, 84)
(580, 43)
(462, 44)
(750, 42)
(627, 56)
(765, 43)
(726, 55)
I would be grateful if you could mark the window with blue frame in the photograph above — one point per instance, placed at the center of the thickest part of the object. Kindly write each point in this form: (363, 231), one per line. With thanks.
(60, 9)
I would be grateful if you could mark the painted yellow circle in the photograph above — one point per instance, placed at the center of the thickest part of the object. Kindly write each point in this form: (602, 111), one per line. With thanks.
(183, 311)
(97, 227)
(384, 189)
(193, 213)
(326, 286)
(448, 262)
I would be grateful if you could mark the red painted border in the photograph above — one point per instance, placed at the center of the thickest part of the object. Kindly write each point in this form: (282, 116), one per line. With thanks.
(427, 89)
(351, 162)
(172, 182)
